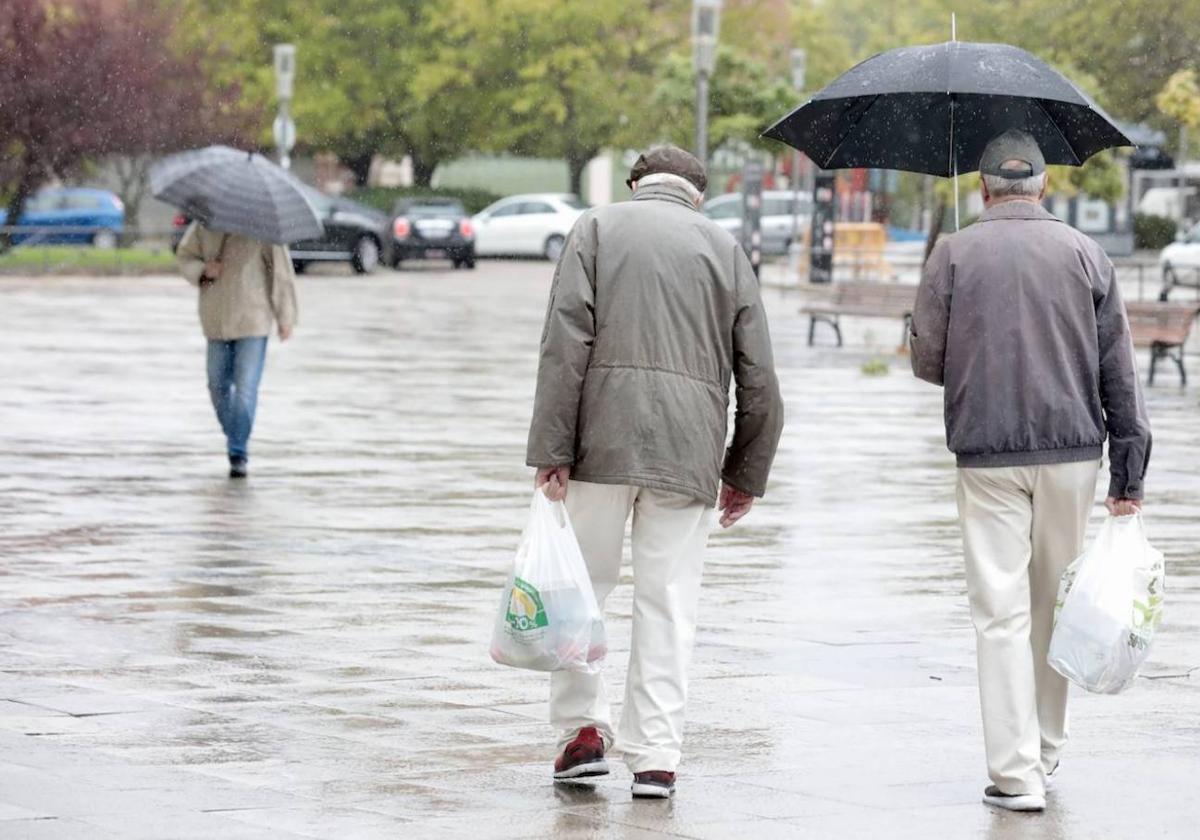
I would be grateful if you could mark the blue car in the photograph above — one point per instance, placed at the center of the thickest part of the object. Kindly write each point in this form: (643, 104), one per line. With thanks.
(95, 217)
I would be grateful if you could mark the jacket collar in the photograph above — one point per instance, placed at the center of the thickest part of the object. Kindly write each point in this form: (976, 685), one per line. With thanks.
(1018, 210)
(663, 192)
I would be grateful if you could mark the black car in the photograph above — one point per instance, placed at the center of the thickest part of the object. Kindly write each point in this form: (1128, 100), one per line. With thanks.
(354, 233)
(432, 228)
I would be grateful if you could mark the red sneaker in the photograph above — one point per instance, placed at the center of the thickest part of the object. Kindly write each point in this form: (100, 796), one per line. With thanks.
(653, 784)
(583, 757)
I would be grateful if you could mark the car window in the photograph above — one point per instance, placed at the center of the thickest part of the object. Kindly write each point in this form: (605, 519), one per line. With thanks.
(82, 201)
(43, 203)
(529, 208)
(783, 206)
(507, 209)
(574, 203)
(435, 211)
(319, 200)
(1193, 237)
(724, 209)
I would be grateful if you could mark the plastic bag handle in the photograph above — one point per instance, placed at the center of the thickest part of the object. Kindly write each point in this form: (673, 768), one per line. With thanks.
(557, 510)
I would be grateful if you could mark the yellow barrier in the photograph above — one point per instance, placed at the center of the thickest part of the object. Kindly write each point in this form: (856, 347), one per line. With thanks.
(857, 246)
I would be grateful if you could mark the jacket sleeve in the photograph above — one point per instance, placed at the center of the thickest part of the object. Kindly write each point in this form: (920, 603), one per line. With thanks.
(190, 256)
(1125, 416)
(566, 348)
(758, 420)
(931, 317)
(282, 277)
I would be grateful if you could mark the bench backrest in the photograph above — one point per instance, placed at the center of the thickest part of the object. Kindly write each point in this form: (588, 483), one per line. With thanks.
(1160, 323)
(892, 297)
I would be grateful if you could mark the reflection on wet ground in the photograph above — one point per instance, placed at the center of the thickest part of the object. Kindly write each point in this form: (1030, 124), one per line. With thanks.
(304, 654)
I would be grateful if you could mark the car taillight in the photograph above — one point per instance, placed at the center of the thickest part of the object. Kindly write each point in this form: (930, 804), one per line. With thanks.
(466, 229)
(180, 220)
(401, 228)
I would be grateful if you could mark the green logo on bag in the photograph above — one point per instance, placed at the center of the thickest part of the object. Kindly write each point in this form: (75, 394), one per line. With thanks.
(525, 610)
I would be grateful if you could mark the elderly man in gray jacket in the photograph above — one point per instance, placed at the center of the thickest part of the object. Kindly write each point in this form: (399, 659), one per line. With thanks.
(1020, 318)
(654, 312)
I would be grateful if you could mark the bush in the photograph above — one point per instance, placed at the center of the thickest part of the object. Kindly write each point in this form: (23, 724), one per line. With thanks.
(385, 198)
(1152, 232)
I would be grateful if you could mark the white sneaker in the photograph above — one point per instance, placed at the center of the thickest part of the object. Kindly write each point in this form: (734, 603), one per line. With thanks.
(992, 795)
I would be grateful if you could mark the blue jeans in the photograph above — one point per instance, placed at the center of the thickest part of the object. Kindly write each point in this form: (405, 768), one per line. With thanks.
(234, 370)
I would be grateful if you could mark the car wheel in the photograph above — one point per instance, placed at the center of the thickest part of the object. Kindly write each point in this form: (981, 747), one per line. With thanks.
(299, 267)
(554, 247)
(366, 255)
(105, 239)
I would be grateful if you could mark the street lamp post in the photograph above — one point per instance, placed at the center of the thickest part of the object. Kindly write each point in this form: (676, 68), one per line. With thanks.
(284, 129)
(706, 25)
(799, 61)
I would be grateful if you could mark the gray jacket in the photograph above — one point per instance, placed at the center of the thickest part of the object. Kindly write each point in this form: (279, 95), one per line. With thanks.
(1020, 317)
(653, 312)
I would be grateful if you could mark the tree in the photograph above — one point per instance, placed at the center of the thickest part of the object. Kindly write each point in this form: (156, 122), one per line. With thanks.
(744, 99)
(1180, 99)
(83, 79)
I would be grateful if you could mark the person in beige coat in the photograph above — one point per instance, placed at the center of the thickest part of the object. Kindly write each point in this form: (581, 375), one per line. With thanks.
(654, 314)
(245, 287)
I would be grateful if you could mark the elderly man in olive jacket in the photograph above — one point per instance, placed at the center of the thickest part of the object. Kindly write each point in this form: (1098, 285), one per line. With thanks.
(654, 312)
(1019, 317)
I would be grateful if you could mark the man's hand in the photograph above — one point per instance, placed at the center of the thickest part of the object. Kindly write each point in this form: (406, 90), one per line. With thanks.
(285, 332)
(553, 482)
(1122, 507)
(734, 504)
(212, 269)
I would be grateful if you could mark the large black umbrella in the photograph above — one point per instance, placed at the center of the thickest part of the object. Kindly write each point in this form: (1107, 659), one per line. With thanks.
(232, 191)
(933, 109)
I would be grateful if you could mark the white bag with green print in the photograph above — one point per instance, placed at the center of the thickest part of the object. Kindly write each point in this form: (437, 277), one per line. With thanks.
(1110, 603)
(548, 619)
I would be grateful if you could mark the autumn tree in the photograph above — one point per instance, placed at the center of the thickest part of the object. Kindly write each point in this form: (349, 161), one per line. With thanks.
(82, 79)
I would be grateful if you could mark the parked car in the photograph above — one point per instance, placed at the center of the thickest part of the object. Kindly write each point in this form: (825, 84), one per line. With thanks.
(527, 225)
(354, 233)
(95, 217)
(1180, 262)
(432, 228)
(778, 217)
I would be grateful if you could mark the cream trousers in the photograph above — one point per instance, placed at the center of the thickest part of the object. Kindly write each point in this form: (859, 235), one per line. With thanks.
(1022, 526)
(670, 532)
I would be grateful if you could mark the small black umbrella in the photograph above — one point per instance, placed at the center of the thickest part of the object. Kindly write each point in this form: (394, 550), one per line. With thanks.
(232, 191)
(933, 108)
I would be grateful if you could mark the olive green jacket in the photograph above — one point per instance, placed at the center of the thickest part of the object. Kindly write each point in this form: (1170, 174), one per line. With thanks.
(654, 312)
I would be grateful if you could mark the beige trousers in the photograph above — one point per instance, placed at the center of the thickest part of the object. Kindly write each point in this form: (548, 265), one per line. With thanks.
(670, 532)
(1022, 526)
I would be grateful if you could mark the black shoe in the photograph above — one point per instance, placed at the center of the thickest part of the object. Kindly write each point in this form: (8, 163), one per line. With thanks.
(238, 467)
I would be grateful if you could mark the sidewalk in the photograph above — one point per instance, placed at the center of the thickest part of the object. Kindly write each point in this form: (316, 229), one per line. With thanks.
(305, 654)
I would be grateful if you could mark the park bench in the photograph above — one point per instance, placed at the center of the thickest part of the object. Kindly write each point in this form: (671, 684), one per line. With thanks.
(1164, 328)
(862, 299)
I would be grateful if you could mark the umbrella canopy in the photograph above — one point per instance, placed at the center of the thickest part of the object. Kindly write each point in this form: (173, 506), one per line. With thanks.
(933, 108)
(232, 191)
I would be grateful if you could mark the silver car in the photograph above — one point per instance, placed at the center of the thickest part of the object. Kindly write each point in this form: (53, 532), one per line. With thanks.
(779, 222)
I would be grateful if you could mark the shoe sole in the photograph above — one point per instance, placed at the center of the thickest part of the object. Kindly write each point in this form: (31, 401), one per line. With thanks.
(1024, 803)
(582, 771)
(642, 791)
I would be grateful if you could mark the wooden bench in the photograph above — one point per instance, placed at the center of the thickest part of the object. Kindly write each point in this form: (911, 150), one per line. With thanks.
(862, 299)
(1164, 328)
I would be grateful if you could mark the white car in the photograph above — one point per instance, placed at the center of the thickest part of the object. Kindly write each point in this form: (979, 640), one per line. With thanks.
(778, 222)
(526, 225)
(1180, 262)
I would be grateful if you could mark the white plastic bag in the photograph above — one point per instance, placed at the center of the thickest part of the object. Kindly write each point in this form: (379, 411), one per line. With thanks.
(548, 619)
(1110, 603)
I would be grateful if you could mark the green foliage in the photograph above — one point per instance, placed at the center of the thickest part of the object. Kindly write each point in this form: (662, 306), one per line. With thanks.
(875, 367)
(69, 259)
(1152, 232)
(744, 99)
(1180, 99)
(385, 198)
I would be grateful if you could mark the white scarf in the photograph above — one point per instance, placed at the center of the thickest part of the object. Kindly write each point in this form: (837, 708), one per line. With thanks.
(673, 180)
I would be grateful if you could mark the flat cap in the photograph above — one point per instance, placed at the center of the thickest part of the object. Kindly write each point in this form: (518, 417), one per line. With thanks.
(670, 160)
(1011, 145)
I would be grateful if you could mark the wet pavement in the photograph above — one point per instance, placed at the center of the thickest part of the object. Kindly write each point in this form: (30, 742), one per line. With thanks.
(305, 654)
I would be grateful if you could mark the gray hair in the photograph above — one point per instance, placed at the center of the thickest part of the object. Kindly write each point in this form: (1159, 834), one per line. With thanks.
(1030, 187)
